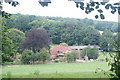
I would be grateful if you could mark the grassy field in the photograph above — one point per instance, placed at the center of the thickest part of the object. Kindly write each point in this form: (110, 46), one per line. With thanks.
(57, 70)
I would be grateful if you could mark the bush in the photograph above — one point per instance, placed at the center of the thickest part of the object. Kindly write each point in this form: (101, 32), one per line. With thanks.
(17, 62)
(56, 60)
(92, 53)
(43, 55)
(27, 56)
(61, 59)
(8, 63)
(76, 53)
(70, 57)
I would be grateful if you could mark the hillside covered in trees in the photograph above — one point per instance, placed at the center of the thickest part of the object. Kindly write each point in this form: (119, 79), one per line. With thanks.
(26, 22)
(69, 30)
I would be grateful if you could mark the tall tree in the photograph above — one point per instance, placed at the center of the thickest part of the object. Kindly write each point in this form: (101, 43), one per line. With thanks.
(6, 46)
(106, 41)
(71, 32)
(91, 36)
(92, 53)
(36, 40)
(17, 37)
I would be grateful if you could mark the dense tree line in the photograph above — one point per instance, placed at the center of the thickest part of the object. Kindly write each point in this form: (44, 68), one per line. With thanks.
(69, 30)
(26, 22)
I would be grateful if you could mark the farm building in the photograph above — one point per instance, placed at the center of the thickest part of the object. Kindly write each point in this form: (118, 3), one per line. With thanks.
(81, 47)
(59, 51)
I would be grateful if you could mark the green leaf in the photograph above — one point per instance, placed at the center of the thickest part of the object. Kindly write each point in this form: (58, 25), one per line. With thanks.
(100, 11)
(102, 16)
(96, 16)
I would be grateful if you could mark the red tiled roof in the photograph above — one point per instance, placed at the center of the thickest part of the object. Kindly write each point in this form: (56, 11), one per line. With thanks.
(62, 49)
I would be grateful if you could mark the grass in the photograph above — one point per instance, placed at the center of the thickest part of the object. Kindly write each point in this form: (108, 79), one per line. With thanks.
(58, 70)
(61, 75)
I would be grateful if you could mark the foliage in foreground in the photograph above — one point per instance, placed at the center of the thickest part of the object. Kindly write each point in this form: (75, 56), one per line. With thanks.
(115, 63)
(88, 7)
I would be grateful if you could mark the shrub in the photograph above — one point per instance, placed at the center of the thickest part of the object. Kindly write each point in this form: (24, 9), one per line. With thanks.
(43, 55)
(8, 63)
(27, 56)
(17, 62)
(56, 60)
(70, 57)
(61, 59)
(76, 53)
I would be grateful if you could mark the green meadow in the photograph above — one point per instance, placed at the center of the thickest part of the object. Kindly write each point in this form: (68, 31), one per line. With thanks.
(57, 70)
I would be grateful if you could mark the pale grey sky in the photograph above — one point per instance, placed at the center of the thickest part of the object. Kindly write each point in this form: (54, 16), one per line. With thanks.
(58, 8)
